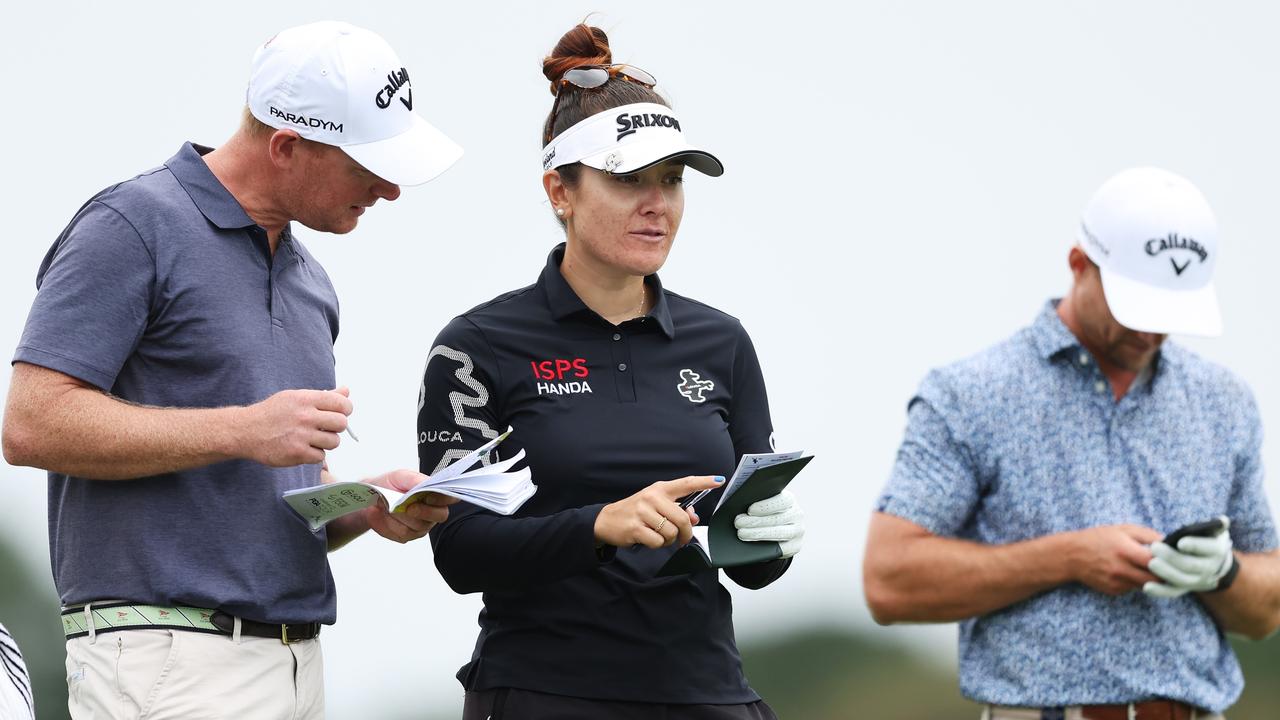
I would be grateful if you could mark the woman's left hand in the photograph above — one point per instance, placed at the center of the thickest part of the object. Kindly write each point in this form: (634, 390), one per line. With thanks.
(777, 519)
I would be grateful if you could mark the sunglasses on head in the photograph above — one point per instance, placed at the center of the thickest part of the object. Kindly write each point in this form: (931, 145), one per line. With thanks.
(594, 76)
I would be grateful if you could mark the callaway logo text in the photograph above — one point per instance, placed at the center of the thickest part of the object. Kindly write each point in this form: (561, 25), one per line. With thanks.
(692, 386)
(1173, 241)
(628, 124)
(305, 121)
(395, 80)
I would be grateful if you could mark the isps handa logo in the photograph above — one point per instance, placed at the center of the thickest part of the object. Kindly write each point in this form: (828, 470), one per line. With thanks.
(560, 376)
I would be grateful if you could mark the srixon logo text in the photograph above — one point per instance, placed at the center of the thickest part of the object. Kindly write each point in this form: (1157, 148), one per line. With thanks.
(628, 124)
(563, 377)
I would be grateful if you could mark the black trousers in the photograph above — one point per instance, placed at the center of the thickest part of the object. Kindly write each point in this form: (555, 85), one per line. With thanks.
(514, 704)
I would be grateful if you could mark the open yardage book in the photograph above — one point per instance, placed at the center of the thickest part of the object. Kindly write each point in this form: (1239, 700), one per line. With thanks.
(493, 487)
(758, 476)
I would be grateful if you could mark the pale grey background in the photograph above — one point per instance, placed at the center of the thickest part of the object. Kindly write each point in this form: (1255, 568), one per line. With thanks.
(903, 181)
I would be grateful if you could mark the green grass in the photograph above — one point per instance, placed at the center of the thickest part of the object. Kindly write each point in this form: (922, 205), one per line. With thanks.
(834, 674)
(29, 608)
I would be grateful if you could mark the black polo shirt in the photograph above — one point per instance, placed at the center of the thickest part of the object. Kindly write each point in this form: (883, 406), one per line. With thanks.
(602, 411)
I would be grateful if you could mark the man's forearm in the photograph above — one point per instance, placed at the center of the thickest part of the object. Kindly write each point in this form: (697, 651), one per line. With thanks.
(913, 576)
(1251, 606)
(82, 431)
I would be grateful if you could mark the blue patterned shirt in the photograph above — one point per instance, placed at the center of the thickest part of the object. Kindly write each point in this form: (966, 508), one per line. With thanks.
(1025, 440)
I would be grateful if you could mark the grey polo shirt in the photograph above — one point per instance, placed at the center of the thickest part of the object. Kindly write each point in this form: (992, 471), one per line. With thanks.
(163, 292)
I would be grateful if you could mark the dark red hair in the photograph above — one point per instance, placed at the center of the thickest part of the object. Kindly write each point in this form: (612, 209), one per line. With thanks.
(586, 45)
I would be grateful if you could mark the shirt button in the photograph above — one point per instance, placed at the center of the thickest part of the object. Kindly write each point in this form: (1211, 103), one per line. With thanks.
(622, 367)
(1084, 359)
(616, 336)
(1100, 386)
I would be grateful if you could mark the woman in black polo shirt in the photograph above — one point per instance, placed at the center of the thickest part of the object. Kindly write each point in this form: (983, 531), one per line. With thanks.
(626, 397)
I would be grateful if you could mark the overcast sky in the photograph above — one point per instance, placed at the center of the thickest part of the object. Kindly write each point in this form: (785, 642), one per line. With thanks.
(903, 181)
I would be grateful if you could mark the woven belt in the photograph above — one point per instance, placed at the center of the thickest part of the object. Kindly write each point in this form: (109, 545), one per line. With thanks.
(1150, 710)
(115, 615)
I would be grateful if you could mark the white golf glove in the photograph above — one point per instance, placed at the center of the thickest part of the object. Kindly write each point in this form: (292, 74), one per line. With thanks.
(777, 519)
(1197, 565)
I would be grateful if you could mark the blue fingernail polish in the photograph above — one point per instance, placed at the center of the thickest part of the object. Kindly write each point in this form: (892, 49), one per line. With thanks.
(719, 478)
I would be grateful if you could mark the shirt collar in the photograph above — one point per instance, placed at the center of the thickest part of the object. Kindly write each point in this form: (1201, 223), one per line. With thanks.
(1050, 335)
(564, 302)
(1052, 339)
(210, 196)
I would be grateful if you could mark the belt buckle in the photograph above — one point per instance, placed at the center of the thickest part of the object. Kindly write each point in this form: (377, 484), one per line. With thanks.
(284, 635)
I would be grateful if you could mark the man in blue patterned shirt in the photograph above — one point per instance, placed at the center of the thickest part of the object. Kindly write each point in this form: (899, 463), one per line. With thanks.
(1036, 481)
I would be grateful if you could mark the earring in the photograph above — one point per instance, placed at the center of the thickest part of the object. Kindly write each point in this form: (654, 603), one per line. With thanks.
(559, 212)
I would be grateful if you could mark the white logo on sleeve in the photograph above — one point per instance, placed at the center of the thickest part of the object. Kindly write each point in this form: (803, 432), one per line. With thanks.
(692, 386)
(458, 402)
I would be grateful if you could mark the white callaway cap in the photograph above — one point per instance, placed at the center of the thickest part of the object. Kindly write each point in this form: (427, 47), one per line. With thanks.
(342, 85)
(628, 139)
(1155, 239)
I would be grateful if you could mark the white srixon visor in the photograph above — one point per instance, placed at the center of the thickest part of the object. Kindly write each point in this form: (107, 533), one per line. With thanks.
(628, 139)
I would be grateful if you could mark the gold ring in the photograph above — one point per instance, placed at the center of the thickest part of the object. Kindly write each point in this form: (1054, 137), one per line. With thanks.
(659, 528)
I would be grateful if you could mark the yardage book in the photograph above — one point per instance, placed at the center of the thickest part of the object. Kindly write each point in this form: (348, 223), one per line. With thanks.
(758, 476)
(494, 487)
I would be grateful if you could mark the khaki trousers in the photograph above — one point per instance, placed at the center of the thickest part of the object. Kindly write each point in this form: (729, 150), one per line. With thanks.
(996, 712)
(178, 674)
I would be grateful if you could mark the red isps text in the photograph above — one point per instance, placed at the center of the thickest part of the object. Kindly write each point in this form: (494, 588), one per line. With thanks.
(558, 368)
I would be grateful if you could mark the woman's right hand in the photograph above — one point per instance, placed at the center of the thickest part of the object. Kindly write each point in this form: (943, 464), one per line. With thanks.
(652, 517)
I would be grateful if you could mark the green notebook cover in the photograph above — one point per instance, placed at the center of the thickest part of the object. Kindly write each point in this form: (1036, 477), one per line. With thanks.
(722, 536)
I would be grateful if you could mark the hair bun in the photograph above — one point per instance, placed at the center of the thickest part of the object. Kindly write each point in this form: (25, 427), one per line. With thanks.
(582, 45)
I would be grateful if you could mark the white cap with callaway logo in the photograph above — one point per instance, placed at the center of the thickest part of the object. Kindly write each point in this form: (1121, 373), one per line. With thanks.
(1154, 236)
(341, 85)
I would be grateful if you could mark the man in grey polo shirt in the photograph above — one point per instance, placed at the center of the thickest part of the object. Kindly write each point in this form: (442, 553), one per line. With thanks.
(1037, 479)
(176, 375)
